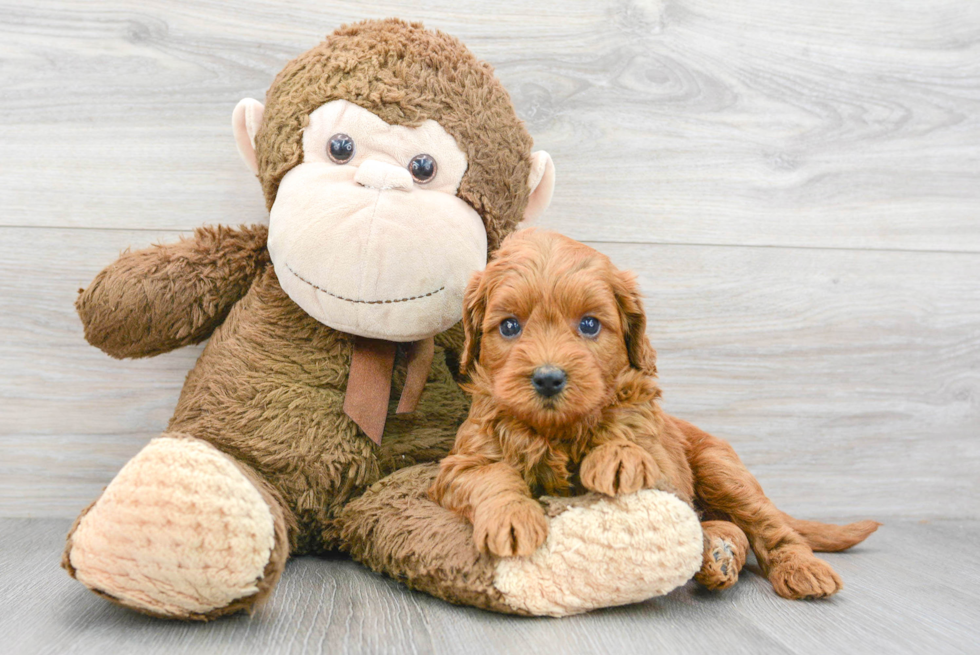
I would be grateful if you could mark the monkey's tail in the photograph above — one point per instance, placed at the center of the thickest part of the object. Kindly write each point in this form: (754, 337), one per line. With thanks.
(830, 538)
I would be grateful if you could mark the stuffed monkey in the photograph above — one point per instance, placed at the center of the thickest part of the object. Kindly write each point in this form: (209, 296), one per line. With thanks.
(392, 163)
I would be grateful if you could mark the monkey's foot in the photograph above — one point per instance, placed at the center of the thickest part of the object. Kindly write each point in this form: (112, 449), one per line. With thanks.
(725, 549)
(603, 552)
(599, 552)
(181, 532)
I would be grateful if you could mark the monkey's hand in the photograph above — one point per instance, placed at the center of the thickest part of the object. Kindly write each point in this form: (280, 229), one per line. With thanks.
(160, 298)
(618, 467)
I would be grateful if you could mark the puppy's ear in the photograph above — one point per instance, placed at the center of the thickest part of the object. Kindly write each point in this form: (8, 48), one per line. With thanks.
(641, 354)
(474, 307)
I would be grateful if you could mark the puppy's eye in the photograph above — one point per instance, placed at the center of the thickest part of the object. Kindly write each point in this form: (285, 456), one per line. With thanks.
(340, 149)
(510, 328)
(589, 326)
(423, 168)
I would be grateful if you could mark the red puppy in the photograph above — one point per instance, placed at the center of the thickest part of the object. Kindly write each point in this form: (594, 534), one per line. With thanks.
(565, 400)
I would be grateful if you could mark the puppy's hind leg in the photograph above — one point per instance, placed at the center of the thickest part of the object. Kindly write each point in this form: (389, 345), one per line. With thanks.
(723, 484)
(725, 548)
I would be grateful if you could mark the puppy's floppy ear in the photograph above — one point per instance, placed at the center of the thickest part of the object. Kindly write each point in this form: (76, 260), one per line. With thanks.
(641, 354)
(474, 307)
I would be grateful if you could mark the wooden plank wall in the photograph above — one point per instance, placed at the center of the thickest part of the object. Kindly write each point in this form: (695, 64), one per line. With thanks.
(797, 185)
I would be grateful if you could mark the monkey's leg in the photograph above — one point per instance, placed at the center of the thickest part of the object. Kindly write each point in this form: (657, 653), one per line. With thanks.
(725, 548)
(183, 531)
(599, 552)
(724, 485)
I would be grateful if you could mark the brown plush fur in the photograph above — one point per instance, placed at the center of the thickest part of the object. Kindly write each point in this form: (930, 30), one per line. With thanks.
(395, 529)
(268, 389)
(604, 431)
(184, 291)
(406, 75)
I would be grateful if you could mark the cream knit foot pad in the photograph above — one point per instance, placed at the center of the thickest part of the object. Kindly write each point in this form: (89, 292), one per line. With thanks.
(612, 551)
(179, 531)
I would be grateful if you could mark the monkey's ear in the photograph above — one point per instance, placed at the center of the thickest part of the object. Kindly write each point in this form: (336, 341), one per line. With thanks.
(245, 122)
(642, 356)
(474, 308)
(542, 183)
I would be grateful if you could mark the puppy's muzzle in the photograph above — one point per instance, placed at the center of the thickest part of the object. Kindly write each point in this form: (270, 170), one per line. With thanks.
(548, 380)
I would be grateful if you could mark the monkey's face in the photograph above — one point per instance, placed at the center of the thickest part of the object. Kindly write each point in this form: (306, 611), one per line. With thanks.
(367, 234)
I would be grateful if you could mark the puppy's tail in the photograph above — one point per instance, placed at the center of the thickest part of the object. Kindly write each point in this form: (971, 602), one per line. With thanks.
(829, 538)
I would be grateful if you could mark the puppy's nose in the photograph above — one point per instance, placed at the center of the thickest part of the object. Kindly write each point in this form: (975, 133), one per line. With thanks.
(548, 380)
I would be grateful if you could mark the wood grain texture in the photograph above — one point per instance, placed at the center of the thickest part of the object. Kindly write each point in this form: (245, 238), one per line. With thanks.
(846, 380)
(895, 600)
(797, 185)
(835, 124)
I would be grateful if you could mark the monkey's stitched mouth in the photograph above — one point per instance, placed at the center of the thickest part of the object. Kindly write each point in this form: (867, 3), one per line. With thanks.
(362, 302)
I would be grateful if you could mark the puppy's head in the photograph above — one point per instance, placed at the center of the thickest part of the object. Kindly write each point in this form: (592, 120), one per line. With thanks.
(551, 326)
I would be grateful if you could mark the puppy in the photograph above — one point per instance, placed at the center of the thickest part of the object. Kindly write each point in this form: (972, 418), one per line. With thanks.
(565, 400)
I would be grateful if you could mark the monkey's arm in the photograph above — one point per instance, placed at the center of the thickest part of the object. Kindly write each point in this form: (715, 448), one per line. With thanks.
(163, 297)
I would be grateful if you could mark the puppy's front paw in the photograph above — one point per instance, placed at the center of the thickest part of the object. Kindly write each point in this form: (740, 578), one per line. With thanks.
(618, 468)
(511, 528)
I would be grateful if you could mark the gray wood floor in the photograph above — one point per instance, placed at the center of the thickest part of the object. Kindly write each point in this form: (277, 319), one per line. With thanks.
(796, 184)
(911, 589)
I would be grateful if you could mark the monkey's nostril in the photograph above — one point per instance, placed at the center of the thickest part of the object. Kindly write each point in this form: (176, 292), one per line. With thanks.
(548, 380)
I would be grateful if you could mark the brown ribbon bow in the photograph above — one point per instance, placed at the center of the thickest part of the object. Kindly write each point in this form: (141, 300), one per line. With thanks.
(369, 382)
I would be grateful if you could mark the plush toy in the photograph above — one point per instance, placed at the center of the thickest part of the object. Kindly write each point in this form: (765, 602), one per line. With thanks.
(392, 163)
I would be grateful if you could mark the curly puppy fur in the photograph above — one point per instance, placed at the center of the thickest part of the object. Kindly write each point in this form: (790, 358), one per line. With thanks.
(604, 431)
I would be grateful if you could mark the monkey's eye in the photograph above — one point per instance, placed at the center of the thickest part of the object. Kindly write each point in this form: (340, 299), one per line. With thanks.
(589, 326)
(510, 328)
(422, 168)
(341, 148)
